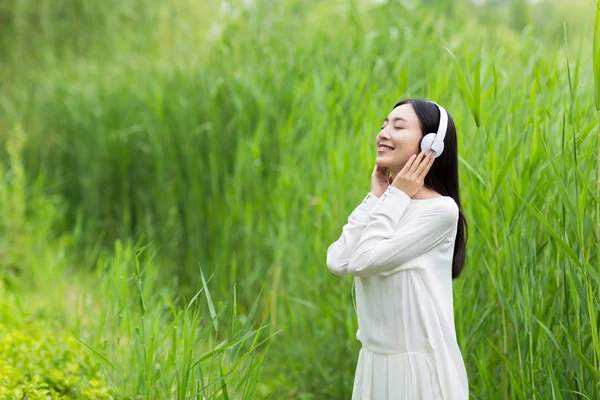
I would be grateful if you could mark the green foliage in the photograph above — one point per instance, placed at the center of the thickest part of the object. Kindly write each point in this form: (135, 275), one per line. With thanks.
(36, 362)
(121, 331)
(596, 57)
(38, 358)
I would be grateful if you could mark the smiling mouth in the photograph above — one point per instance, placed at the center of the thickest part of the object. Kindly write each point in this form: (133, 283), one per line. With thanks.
(382, 149)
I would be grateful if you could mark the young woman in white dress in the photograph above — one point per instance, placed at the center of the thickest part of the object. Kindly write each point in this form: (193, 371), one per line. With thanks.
(404, 244)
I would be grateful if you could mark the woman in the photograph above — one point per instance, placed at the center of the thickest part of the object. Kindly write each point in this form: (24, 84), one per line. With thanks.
(404, 244)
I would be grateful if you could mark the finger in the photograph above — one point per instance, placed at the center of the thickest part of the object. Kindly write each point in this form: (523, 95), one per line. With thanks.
(425, 165)
(425, 159)
(409, 163)
(418, 160)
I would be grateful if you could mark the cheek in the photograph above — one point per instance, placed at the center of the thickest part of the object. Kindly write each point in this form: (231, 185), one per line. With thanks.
(407, 143)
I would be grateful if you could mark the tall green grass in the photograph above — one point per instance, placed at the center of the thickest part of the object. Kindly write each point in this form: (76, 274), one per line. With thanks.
(243, 146)
(121, 330)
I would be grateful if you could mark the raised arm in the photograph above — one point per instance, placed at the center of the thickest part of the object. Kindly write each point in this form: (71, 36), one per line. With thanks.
(383, 246)
(338, 253)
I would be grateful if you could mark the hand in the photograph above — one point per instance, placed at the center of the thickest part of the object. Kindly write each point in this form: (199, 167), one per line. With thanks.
(380, 180)
(412, 176)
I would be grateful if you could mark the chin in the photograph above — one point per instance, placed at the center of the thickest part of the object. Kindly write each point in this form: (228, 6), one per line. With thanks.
(382, 163)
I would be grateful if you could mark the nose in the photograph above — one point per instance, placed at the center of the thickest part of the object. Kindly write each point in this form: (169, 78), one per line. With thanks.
(382, 135)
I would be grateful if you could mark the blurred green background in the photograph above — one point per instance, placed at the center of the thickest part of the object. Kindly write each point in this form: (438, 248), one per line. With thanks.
(173, 173)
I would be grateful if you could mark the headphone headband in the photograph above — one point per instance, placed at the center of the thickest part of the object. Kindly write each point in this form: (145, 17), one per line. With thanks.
(438, 143)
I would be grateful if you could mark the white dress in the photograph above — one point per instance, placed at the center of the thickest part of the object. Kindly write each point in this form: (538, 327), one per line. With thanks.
(400, 251)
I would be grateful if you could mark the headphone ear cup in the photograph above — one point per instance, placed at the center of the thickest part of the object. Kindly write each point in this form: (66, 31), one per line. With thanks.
(426, 143)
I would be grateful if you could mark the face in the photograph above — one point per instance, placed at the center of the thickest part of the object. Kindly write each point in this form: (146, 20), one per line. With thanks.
(402, 131)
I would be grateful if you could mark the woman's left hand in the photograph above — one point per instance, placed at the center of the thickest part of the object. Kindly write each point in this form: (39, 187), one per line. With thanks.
(412, 176)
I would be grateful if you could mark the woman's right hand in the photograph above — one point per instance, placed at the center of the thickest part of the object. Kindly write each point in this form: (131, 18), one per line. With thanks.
(380, 180)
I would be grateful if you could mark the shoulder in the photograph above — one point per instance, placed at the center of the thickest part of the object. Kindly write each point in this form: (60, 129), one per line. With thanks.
(443, 209)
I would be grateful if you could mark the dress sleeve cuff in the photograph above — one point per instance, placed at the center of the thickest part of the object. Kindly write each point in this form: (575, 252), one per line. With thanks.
(393, 202)
(362, 213)
(370, 201)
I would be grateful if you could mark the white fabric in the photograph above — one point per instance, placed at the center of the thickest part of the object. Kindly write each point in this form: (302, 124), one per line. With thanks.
(400, 251)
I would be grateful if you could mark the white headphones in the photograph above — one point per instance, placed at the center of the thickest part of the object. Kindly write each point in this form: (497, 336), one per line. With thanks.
(434, 142)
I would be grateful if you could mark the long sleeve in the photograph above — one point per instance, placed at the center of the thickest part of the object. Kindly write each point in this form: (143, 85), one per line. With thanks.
(383, 246)
(338, 253)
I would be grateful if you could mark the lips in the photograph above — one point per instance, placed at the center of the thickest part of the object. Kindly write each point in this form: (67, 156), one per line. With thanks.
(385, 145)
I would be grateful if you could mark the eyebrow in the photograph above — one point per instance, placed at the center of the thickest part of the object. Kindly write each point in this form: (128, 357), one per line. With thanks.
(396, 119)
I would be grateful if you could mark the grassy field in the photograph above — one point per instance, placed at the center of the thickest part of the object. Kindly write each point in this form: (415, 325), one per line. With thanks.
(173, 173)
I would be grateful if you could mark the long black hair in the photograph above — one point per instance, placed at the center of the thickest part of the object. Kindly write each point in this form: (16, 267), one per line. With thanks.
(443, 175)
